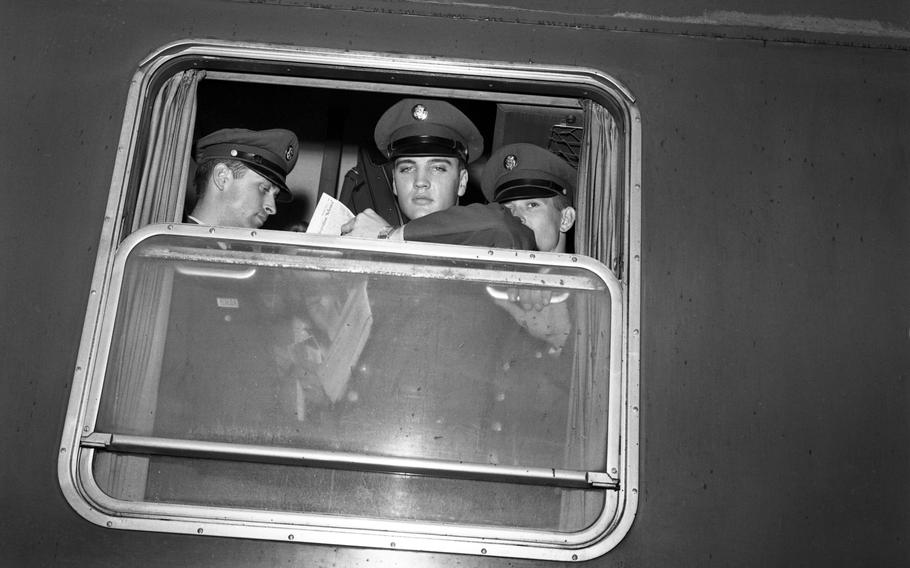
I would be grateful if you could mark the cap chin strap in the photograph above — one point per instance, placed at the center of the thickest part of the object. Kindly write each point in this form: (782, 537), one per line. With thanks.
(267, 169)
(425, 145)
(256, 159)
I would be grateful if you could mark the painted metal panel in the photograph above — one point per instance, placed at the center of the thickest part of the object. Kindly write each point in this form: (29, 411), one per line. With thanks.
(775, 308)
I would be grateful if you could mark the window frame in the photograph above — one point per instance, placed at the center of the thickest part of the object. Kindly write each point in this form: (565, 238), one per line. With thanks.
(435, 77)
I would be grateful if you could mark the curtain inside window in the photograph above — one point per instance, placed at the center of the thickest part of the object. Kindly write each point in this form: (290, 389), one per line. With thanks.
(599, 234)
(162, 189)
(600, 206)
(134, 373)
(161, 195)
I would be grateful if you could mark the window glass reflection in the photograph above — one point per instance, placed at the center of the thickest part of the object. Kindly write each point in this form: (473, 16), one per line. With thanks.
(356, 351)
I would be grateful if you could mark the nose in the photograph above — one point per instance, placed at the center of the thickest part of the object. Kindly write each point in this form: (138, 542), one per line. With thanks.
(269, 203)
(516, 212)
(421, 180)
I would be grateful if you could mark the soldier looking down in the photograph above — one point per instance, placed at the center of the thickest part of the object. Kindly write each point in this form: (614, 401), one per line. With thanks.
(240, 176)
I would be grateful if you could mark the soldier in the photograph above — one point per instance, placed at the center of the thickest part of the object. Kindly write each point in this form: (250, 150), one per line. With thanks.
(240, 176)
(536, 186)
(219, 371)
(431, 143)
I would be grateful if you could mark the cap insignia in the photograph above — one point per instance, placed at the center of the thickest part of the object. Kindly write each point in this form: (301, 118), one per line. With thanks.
(289, 153)
(233, 152)
(420, 112)
(510, 162)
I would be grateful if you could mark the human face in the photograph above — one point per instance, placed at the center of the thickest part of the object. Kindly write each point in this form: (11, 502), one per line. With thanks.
(426, 184)
(548, 223)
(248, 200)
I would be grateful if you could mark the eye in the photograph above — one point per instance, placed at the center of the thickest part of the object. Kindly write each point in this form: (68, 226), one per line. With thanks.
(405, 169)
(441, 168)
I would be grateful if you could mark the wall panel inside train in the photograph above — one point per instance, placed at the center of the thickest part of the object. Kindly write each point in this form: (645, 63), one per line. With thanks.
(774, 245)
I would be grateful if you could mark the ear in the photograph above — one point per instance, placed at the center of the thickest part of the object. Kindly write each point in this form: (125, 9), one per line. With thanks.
(462, 182)
(394, 188)
(221, 174)
(567, 219)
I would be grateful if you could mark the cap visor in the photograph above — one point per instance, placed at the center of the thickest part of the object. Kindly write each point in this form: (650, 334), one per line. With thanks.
(284, 194)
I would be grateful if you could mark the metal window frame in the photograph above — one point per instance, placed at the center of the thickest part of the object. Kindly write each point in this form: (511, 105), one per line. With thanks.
(288, 64)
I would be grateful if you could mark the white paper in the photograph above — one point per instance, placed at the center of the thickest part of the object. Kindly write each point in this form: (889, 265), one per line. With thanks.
(329, 216)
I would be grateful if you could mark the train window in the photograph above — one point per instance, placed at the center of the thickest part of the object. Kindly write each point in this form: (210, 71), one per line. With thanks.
(279, 385)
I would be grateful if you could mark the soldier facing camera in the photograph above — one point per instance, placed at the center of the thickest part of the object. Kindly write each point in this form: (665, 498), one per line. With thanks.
(430, 144)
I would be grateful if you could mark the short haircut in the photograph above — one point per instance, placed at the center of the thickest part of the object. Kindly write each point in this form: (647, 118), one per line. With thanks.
(205, 169)
(560, 202)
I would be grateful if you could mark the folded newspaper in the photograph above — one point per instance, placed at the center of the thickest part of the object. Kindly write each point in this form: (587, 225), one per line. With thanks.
(337, 323)
(329, 216)
(347, 332)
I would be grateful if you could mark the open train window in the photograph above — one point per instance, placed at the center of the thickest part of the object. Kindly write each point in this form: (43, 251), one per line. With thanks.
(279, 385)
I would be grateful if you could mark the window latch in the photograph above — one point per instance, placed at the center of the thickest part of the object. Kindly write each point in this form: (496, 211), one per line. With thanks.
(601, 480)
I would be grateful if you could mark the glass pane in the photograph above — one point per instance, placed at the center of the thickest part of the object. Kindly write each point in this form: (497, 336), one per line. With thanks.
(357, 351)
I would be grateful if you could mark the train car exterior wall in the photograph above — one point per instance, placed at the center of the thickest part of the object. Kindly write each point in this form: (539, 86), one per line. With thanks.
(775, 260)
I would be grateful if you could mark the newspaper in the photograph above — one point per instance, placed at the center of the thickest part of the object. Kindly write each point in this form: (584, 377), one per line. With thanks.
(330, 333)
(329, 216)
(348, 335)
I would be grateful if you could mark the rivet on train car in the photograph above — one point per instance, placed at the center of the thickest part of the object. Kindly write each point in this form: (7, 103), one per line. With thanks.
(212, 230)
(637, 258)
(635, 409)
(574, 259)
(290, 537)
(199, 530)
(635, 332)
(253, 233)
(170, 227)
(637, 187)
(574, 557)
(613, 470)
(85, 428)
(392, 545)
(109, 524)
(62, 450)
(489, 252)
(483, 550)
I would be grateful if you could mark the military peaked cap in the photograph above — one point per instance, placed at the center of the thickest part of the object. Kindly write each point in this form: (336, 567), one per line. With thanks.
(270, 153)
(526, 171)
(422, 127)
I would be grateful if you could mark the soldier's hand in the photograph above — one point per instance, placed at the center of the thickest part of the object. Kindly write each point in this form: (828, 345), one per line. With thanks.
(528, 299)
(367, 224)
(551, 323)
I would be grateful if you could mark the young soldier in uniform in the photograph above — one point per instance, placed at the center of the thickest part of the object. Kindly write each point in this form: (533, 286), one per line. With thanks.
(240, 176)
(430, 143)
(218, 372)
(536, 186)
